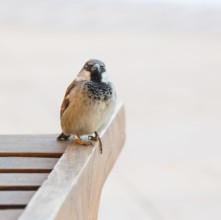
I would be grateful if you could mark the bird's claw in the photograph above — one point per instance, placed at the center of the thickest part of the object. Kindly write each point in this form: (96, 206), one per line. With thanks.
(96, 138)
(82, 142)
(92, 138)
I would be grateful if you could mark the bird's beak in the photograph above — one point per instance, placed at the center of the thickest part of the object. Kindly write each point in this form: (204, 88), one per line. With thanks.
(96, 67)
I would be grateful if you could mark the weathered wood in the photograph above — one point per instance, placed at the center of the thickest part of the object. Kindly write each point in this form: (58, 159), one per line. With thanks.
(13, 198)
(73, 188)
(26, 164)
(24, 181)
(31, 146)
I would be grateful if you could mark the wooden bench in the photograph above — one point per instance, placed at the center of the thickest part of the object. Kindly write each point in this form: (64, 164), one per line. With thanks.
(41, 178)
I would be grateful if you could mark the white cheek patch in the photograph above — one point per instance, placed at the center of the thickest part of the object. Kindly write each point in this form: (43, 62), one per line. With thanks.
(83, 75)
(105, 77)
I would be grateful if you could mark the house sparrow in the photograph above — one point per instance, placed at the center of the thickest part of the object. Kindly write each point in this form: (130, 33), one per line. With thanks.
(88, 104)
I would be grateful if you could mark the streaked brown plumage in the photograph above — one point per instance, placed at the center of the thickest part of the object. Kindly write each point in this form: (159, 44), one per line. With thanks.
(88, 103)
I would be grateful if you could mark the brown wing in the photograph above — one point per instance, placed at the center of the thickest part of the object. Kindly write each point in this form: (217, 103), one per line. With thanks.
(66, 101)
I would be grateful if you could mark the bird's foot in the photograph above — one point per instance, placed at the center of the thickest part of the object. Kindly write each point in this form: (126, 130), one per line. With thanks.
(79, 141)
(92, 138)
(63, 137)
(96, 138)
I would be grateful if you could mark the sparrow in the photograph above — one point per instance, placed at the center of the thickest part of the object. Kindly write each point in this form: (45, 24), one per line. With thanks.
(88, 104)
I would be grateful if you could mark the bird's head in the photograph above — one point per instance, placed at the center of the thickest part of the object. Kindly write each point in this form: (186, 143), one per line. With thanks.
(93, 70)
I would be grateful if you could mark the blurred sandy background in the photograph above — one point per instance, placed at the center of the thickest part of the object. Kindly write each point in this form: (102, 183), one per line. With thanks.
(165, 59)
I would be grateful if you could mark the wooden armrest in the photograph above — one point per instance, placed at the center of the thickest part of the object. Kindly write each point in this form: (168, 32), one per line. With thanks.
(69, 190)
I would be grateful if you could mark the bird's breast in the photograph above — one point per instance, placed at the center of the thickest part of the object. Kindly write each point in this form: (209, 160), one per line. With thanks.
(89, 110)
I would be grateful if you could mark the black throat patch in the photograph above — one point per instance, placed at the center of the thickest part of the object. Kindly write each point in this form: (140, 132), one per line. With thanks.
(96, 77)
(99, 90)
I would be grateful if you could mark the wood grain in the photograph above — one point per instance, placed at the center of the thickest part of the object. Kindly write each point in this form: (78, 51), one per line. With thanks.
(31, 146)
(22, 181)
(10, 214)
(26, 164)
(73, 188)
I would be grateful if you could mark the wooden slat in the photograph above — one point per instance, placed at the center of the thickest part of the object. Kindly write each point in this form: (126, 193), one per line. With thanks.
(12, 199)
(31, 146)
(10, 214)
(26, 164)
(22, 181)
(73, 188)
